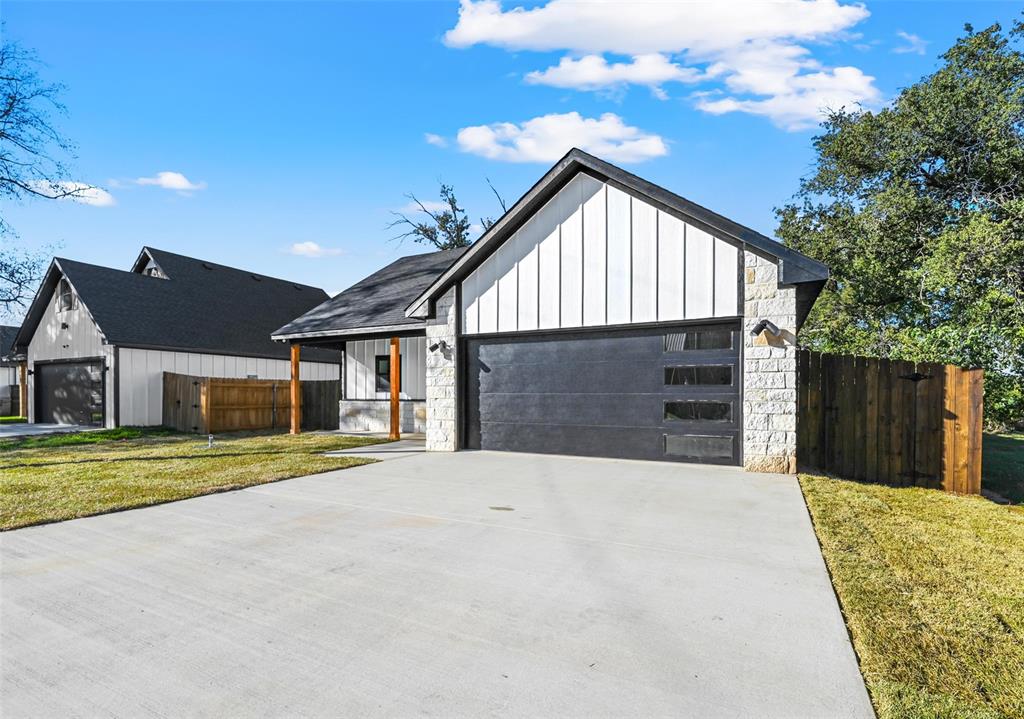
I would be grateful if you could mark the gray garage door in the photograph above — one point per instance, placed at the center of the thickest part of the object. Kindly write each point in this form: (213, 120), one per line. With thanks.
(69, 393)
(670, 394)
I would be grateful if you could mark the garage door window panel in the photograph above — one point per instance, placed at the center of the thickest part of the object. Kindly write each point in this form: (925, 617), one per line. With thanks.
(699, 340)
(698, 411)
(699, 375)
(699, 447)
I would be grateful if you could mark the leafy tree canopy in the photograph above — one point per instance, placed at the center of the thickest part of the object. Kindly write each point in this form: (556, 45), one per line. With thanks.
(918, 210)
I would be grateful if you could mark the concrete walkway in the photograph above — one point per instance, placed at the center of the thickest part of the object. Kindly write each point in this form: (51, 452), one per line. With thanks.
(456, 585)
(11, 431)
(385, 450)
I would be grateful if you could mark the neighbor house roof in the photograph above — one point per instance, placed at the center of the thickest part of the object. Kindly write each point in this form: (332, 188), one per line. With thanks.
(794, 267)
(200, 306)
(376, 303)
(7, 335)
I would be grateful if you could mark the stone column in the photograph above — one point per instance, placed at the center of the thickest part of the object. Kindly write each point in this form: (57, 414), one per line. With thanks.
(442, 423)
(769, 370)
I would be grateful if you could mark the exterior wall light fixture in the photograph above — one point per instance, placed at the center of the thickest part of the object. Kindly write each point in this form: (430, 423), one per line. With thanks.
(765, 325)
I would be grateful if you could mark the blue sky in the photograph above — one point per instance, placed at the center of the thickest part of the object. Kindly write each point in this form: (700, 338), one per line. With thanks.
(282, 128)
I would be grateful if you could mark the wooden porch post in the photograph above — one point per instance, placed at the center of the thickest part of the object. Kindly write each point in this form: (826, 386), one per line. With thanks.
(396, 379)
(23, 389)
(296, 393)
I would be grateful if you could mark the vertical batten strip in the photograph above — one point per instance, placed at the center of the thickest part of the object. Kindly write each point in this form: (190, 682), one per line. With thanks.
(571, 238)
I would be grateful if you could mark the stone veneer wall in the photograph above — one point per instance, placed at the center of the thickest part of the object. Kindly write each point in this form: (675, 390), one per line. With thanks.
(769, 371)
(442, 426)
(365, 415)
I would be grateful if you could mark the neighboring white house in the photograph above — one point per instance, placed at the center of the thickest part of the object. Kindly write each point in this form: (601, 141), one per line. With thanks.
(98, 340)
(601, 315)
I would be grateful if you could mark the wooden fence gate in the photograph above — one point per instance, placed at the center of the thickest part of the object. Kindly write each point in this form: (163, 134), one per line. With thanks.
(208, 405)
(889, 421)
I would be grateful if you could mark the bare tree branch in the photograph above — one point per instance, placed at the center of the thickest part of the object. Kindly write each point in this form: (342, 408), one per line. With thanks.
(31, 167)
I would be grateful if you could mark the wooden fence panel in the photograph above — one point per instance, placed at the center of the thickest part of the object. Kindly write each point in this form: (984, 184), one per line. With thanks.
(860, 418)
(216, 404)
(890, 421)
(816, 427)
(884, 443)
(870, 371)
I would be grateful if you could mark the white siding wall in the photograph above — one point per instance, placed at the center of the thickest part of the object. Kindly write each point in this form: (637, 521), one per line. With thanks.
(81, 339)
(141, 377)
(359, 371)
(594, 255)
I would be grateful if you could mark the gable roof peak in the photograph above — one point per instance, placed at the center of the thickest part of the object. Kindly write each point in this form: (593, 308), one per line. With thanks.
(794, 267)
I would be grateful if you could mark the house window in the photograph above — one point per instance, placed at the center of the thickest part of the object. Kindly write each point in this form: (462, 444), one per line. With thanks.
(699, 375)
(65, 296)
(382, 365)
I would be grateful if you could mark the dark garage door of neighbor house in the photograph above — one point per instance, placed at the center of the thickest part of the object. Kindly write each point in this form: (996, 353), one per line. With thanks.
(69, 393)
(666, 393)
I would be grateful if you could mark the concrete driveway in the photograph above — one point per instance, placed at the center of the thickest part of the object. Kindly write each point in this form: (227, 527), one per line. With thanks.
(465, 584)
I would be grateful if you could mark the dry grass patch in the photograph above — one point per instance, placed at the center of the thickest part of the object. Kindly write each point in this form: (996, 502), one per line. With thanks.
(932, 586)
(67, 476)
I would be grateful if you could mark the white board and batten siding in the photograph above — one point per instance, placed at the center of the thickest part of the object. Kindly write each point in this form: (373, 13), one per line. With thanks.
(594, 255)
(360, 375)
(141, 373)
(80, 339)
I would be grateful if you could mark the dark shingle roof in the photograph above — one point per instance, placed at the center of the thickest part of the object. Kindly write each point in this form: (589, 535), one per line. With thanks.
(201, 307)
(378, 301)
(7, 335)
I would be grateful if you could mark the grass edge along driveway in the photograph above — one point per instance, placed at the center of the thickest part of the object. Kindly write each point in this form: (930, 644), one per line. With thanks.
(49, 479)
(932, 589)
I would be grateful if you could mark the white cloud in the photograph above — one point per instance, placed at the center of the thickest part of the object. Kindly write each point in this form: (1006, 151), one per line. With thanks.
(593, 72)
(429, 205)
(312, 249)
(630, 28)
(547, 138)
(805, 98)
(171, 181)
(80, 192)
(915, 44)
(435, 140)
(754, 51)
(790, 87)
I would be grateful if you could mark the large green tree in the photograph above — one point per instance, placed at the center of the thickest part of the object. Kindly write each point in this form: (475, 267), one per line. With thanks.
(918, 209)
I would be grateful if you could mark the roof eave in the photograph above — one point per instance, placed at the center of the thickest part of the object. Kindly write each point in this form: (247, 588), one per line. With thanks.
(347, 332)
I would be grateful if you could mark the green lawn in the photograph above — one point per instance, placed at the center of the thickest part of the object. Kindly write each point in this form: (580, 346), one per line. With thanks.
(46, 479)
(13, 420)
(932, 587)
(1002, 465)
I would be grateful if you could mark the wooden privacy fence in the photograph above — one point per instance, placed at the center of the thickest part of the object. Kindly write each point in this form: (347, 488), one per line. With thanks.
(889, 421)
(209, 405)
